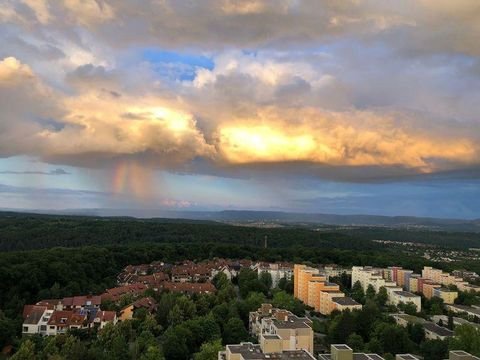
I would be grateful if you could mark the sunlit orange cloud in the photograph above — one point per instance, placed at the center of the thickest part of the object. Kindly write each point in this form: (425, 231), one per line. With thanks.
(340, 139)
(98, 123)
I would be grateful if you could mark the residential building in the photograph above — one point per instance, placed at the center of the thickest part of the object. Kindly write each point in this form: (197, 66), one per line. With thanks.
(416, 283)
(428, 288)
(344, 352)
(311, 287)
(46, 320)
(435, 332)
(80, 302)
(403, 277)
(277, 271)
(302, 276)
(461, 355)
(102, 318)
(35, 319)
(188, 288)
(63, 320)
(442, 320)
(469, 288)
(147, 303)
(326, 300)
(115, 294)
(448, 296)
(443, 278)
(294, 332)
(474, 312)
(315, 287)
(345, 303)
(405, 319)
(405, 297)
(269, 349)
(333, 270)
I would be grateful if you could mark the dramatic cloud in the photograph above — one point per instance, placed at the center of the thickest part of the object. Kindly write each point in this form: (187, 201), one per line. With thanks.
(343, 86)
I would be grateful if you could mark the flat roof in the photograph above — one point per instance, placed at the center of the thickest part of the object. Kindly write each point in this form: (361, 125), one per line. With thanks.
(292, 322)
(439, 330)
(347, 301)
(410, 318)
(466, 309)
(251, 351)
(356, 356)
(406, 294)
(341, 347)
(406, 357)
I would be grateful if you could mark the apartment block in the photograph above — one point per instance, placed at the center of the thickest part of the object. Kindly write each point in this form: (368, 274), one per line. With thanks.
(277, 271)
(271, 348)
(302, 276)
(345, 303)
(315, 288)
(464, 309)
(448, 296)
(371, 276)
(436, 332)
(428, 288)
(445, 279)
(344, 352)
(335, 271)
(461, 355)
(405, 297)
(295, 333)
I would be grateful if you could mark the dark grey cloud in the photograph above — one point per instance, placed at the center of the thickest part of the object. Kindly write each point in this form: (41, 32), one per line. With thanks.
(57, 171)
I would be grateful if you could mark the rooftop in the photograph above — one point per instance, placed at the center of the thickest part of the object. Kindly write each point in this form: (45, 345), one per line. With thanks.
(251, 351)
(293, 322)
(345, 301)
(466, 308)
(356, 356)
(406, 294)
(439, 330)
(34, 315)
(406, 357)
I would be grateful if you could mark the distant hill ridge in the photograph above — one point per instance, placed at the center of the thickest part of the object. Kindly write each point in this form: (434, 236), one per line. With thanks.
(246, 216)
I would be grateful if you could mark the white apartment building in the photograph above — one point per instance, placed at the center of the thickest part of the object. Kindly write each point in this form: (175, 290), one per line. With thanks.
(405, 297)
(276, 271)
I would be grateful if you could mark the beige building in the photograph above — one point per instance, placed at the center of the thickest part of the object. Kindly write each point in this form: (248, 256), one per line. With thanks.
(295, 333)
(405, 297)
(345, 303)
(344, 352)
(448, 296)
(445, 279)
(461, 355)
(269, 348)
(428, 288)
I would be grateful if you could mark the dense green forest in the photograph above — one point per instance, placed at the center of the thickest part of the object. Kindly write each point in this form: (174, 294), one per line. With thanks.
(30, 231)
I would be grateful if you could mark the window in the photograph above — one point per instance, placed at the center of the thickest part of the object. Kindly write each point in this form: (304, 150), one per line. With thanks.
(52, 327)
(25, 329)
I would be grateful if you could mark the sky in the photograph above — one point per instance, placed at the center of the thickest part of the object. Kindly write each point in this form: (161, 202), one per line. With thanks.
(346, 107)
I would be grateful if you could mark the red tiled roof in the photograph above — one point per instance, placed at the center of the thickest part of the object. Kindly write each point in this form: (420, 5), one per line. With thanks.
(147, 302)
(115, 294)
(61, 318)
(188, 287)
(50, 303)
(106, 315)
(33, 313)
